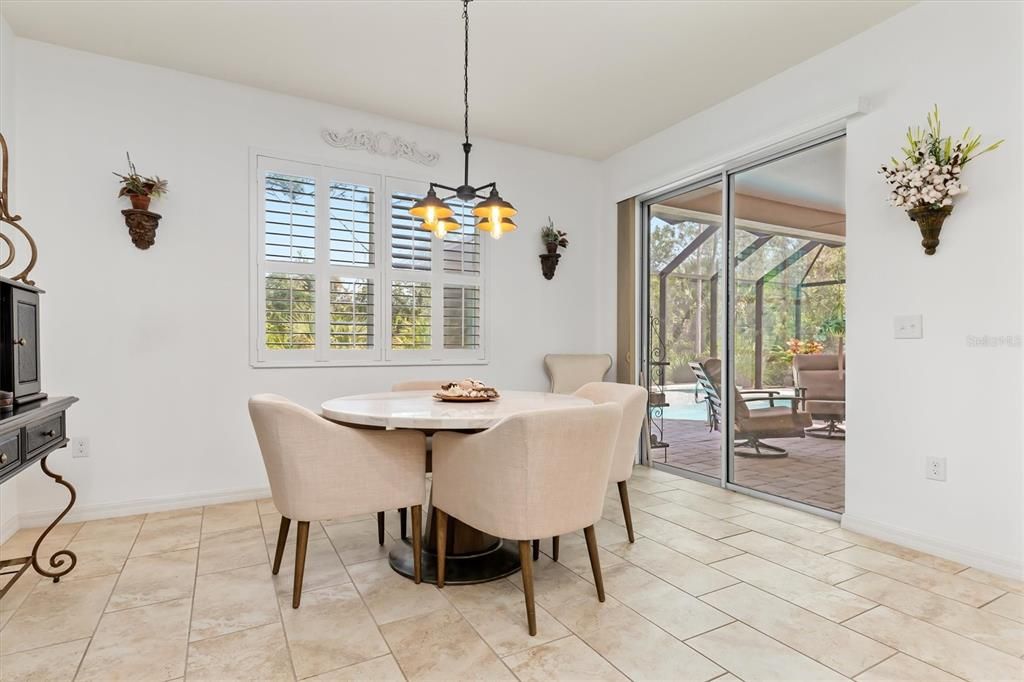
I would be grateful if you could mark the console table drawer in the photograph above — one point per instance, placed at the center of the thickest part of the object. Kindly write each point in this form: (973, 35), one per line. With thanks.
(43, 433)
(10, 451)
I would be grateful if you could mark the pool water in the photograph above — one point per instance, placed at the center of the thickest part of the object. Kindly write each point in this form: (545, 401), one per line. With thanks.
(683, 406)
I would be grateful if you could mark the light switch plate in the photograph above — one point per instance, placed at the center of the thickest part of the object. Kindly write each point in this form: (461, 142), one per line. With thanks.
(907, 327)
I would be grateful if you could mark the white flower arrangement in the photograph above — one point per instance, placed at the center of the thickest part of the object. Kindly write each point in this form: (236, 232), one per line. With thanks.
(929, 175)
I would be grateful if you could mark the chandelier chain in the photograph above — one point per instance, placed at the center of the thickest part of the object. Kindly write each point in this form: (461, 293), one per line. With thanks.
(465, 71)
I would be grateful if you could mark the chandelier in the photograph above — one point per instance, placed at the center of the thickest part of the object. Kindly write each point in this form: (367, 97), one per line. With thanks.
(494, 213)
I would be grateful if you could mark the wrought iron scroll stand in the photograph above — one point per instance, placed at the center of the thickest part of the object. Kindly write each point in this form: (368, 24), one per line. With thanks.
(63, 560)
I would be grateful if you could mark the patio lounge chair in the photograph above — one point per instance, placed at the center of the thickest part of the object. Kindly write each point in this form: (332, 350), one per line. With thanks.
(753, 425)
(825, 384)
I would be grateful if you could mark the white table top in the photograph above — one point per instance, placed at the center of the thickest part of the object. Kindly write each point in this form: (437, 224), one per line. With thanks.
(419, 409)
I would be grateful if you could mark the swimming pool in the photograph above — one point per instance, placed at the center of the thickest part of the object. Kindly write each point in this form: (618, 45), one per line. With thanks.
(683, 406)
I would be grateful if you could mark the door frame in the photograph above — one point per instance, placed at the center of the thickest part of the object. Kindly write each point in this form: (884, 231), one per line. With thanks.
(723, 173)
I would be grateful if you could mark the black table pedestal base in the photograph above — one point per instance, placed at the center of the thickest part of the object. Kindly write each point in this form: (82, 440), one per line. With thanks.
(500, 560)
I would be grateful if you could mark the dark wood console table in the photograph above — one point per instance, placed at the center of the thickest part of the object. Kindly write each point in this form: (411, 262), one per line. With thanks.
(28, 435)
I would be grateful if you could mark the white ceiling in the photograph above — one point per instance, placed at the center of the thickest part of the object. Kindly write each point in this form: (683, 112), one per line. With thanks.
(583, 77)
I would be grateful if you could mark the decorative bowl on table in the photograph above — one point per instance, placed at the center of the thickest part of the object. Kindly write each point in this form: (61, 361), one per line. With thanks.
(466, 391)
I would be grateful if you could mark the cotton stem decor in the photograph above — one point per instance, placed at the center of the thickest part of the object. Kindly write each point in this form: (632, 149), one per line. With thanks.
(927, 179)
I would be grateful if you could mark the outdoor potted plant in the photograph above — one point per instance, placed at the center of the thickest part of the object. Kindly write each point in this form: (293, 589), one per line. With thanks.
(925, 181)
(553, 238)
(140, 189)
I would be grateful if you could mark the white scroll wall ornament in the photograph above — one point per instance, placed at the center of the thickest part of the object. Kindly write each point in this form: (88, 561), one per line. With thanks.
(380, 143)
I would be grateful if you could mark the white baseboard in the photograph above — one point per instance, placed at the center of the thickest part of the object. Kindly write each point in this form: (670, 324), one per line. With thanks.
(9, 528)
(89, 512)
(1000, 565)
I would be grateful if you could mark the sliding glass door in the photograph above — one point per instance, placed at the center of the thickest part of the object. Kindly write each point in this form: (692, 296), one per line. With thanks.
(745, 363)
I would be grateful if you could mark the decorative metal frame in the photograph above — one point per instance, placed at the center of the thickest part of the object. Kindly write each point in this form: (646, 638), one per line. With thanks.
(13, 220)
(380, 143)
(62, 561)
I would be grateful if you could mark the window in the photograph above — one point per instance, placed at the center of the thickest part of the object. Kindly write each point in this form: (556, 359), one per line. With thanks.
(345, 276)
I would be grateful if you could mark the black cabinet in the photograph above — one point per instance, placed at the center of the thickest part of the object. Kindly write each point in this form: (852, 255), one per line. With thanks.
(19, 345)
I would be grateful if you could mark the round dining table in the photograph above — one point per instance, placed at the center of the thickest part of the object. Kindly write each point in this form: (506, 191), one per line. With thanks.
(473, 556)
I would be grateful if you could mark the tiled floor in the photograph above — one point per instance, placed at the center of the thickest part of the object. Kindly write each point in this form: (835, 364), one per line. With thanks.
(717, 586)
(812, 473)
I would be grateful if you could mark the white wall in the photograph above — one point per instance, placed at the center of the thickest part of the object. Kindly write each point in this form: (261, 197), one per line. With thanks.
(907, 399)
(156, 342)
(9, 491)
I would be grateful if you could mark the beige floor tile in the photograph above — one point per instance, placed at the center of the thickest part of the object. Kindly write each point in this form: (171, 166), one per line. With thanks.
(753, 656)
(704, 490)
(814, 595)
(356, 541)
(383, 669)
(1003, 583)
(259, 653)
(610, 533)
(161, 534)
(331, 628)
(57, 612)
(692, 519)
(816, 542)
(701, 504)
(935, 562)
(497, 611)
(903, 668)
(564, 659)
(20, 544)
(271, 524)
(323, 568)
(987, 628)
(17, 594)
(647, 486)
(637, 499)
(794, 558)
(391, 597)
(696, 546)
(124, 527)
(174, 513)
(155, 578)
(554, 584)
(146, 643)
(573, 554)
(56, 663)
(673, 567)
(791, 516)
(948, 585)
(819, 638)
(441, 645)
(640, 649)
(232, 516)
(100, 556)
(1010, 606)
(935, 646)
(266, 506)
(232, 549)
(668, 607)
(233, 600)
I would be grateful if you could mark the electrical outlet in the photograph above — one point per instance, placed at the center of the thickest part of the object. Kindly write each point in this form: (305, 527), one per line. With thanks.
(935, 468)
(80, 447)
(907, 327)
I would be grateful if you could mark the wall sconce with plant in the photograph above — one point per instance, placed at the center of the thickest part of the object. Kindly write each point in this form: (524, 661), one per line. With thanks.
(926, 180)
(553, 240)
(141, 189)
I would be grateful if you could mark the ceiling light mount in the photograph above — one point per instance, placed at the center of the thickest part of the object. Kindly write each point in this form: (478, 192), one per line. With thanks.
(493, 211)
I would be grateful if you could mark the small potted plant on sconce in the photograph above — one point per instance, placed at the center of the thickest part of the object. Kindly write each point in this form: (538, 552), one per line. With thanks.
(927, 179)
(553, 238)
(141, 189)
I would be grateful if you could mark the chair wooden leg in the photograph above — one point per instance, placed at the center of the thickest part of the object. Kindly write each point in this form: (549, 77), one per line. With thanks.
(536, 550)
(417, 542)
(380, 528)
(282, 537)
(526, 562)
(300, 562)
(401, 523)
(442, 544)
(595, 561)
(554, 548)
(624, 498)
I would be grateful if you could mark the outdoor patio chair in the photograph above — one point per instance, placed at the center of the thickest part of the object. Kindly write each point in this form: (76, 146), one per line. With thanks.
(824, 382)
(753, 425)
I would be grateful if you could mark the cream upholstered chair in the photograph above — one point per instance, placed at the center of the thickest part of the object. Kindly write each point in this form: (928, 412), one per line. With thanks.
(633, 401)
(533, 475)
(569, 372)
(320, 470)
(414, 385)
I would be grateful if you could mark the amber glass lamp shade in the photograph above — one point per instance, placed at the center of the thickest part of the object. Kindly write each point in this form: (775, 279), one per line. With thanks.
(494, 208)
(441, 227)
(430, 209)
(505, 225)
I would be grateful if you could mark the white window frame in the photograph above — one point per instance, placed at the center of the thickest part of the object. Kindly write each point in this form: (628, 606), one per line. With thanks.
(381, 274)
